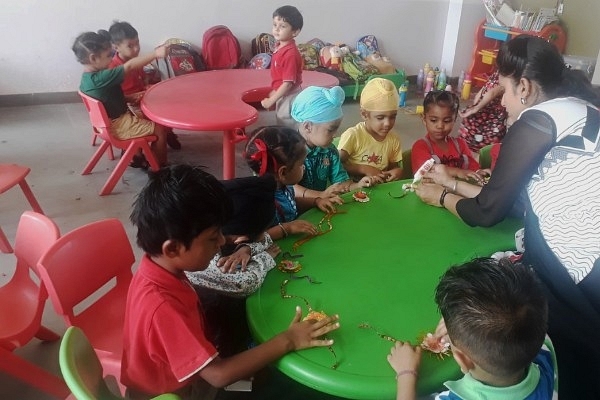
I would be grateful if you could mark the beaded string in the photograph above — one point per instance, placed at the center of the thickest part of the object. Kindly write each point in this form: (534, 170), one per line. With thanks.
(284, 295)
(366, 325)
(320, 229)
(441, 352)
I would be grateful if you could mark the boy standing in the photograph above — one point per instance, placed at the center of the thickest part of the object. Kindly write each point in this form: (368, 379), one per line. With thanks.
(286, 64)
(496, 316)
(371, 148)
(179, 214)
(126, 43)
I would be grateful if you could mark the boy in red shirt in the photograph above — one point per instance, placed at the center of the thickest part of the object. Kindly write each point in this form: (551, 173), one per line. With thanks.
(126, 43)
(286, 64)
(179, 214)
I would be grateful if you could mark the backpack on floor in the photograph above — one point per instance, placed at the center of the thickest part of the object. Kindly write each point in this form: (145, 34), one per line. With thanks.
(181, 59)
(367, 45)
(260, 61)
(220, 48)
(310, 56)
(263, 43)
(357, 68)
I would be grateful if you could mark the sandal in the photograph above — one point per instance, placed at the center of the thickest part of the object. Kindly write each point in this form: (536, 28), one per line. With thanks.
(139, 161)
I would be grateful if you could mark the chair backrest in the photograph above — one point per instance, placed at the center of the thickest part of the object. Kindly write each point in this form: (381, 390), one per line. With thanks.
(35, 234)
(78, 271)
(407, 172)
(485, 157)
(98, 117)
(81, 368)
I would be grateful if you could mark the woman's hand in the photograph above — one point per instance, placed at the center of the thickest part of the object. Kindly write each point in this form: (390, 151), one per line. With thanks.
(439, 174)
(429, 193)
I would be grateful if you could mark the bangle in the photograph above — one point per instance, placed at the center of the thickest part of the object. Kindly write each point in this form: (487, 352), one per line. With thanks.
(407, 372)
(285, 234)
(454, 187)
(443, 197)
(304, 192)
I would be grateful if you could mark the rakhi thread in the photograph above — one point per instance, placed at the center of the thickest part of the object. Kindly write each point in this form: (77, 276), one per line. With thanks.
(320, 230)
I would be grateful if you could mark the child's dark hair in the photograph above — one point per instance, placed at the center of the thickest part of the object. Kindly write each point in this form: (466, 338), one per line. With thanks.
(272, 147)
(495, 311)
(120, 30)
(89, 43)
(178, 203)
(535, 59)
(291, 15)
(441, 98)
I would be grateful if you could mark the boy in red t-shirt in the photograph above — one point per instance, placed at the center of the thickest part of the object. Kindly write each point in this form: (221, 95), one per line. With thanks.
(286, 65)
(126, 43)
(179, 214)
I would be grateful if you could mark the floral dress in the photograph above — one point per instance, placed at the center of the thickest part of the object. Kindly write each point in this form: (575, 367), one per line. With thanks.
(488, 125)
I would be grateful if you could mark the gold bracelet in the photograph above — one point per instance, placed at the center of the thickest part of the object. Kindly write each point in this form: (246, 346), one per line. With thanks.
(285, 234)
(407, 372)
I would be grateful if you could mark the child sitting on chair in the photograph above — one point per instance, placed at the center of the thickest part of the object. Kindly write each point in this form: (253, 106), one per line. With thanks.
(440, 111)
(241, 265)
(126, 43)
(495, 316)
(371, 148)
(93, 50)
(281, 151)
(178, 215)
(318, 112)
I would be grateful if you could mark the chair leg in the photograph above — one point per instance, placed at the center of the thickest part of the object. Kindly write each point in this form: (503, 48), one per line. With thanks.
(47, 335)
(32, 374)
(5, 246)
(154, 166)
(30, 197)
(111, 153)
(95, 158)
(119, 170)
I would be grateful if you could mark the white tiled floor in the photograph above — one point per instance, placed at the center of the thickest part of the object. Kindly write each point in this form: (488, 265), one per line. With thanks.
(54, 141)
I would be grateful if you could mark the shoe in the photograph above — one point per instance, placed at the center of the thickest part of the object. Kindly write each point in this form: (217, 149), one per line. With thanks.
(172, 141)
(139, 161)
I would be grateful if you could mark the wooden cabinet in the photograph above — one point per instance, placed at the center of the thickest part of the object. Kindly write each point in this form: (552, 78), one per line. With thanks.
(489, 38)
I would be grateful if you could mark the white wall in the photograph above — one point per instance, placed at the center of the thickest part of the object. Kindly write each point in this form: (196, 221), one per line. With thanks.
(36, 56)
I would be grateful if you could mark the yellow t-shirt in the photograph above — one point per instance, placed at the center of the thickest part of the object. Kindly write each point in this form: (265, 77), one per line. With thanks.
(364, 150)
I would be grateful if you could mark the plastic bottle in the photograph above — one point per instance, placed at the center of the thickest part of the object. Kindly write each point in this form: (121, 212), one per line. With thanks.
(466, 90)
(429, 81)
(426, 70)
(461, 80)
(441, 81)
(402, 92)
(420, 79)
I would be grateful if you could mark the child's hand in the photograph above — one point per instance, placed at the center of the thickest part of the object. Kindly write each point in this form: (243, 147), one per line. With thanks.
(229, 264)
(335, 189)
(403, 358)
(305, 334)
(327, 204)
(274, 250)
(267, 103)
(364, 182)
(441, 333)
(300, 226)
(392, 175)
(160, 51)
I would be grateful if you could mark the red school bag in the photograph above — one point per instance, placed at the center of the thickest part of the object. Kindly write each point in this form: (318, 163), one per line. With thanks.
(220, 48)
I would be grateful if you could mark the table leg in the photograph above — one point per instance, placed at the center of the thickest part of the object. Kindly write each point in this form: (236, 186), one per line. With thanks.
(228, 154)
(230, 138)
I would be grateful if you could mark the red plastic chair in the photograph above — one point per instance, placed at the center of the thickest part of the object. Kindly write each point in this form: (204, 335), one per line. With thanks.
(22, 300)
(10, 175)
(87, 274)
(101, 124)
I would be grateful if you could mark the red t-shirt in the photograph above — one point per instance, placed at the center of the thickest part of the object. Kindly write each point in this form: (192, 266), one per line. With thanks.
(134, 79)
(286, 66)
(164, 344)
(451, 157)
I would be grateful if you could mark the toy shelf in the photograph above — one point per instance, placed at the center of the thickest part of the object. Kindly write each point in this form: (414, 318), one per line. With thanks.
(489, 38)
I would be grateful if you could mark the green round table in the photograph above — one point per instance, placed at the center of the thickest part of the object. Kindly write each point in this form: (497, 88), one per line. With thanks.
(379, 265)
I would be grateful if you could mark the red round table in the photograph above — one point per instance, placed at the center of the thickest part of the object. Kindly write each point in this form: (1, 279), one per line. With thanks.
(216, 101)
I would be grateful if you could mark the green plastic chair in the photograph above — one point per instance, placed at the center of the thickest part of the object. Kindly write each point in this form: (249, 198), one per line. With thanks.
(83, 372)
(485, 158)
(407, 172)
